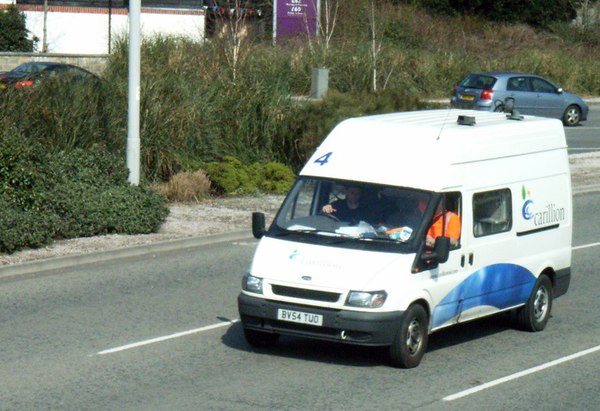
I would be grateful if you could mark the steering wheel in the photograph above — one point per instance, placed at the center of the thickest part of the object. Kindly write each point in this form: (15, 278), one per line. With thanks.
(331, 216)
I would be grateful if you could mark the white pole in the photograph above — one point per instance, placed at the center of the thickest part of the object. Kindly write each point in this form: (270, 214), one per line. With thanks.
(274, 21)
(133, 120)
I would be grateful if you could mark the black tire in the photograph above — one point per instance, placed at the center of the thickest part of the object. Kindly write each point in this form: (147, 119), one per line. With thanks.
(571, 116)
(534, 315)
(260, 339)
(410, 342)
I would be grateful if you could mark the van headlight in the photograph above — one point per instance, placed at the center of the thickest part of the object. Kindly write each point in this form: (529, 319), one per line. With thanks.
(373, 299)
(252, 284)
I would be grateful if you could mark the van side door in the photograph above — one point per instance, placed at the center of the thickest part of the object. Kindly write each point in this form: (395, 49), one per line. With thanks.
(442, 280)
(493, 284)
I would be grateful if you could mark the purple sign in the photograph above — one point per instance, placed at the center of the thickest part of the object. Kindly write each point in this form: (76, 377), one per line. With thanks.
(295, 18)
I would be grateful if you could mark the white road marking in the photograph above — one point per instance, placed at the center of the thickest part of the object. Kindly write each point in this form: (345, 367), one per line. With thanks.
(579, 247)
(166, 337)
(520, 374)
(245, 243)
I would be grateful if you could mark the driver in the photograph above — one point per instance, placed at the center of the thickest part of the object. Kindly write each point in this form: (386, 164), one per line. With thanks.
(348, 209)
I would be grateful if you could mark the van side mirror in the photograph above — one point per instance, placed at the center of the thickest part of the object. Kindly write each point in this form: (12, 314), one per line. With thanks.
(258, 225)
(441, 251)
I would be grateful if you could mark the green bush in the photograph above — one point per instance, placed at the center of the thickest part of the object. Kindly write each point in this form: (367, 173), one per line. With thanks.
(24, 228)
(50, 195)
(232, 177)
(273, 177)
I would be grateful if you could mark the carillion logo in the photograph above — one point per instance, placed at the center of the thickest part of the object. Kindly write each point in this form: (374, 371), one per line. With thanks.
(550, 214)
(527, 209)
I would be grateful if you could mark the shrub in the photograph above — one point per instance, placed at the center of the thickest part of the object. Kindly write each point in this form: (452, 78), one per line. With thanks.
(186, 186)
(273, 177)
(68, 194)
(23, 228)
(230, 176)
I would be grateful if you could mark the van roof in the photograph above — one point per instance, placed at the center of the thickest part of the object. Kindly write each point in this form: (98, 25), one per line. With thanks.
(423, 148)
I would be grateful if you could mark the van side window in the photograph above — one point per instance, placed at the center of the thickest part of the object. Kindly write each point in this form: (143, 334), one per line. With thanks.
(446, 221)
(492, 212)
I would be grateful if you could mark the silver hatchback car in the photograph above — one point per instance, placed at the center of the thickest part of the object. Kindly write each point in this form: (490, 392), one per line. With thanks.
(532, 95)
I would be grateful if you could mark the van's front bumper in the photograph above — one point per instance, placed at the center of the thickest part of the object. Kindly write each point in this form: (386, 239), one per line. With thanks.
(351, 327)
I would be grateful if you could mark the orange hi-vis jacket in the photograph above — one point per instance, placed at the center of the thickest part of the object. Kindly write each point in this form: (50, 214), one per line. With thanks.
(452, 229)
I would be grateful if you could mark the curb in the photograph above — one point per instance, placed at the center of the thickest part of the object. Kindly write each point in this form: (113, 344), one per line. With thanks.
(592, 188)
(55, 263)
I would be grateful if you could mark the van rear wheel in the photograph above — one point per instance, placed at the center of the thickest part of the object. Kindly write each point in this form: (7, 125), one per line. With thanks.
(260, 339)
(410, 341)
(534, 315)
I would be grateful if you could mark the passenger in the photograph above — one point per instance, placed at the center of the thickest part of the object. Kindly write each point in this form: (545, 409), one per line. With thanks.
(451, 229)
(348, 209)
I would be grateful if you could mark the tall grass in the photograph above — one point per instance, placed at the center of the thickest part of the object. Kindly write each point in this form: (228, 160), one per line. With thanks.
(194, 111)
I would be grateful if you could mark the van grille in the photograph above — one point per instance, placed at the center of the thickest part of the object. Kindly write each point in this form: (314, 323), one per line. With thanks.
(305, 294)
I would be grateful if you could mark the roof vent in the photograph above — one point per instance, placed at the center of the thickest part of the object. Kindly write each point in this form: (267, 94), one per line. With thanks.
(465, 120)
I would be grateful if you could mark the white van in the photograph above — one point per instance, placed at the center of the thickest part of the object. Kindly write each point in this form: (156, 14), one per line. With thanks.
(498, 183)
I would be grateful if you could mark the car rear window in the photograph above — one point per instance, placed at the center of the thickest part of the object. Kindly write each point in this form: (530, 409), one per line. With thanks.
(478, 81)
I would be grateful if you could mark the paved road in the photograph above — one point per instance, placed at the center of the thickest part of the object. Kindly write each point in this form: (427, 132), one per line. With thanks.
(586, 137)
(160, 332)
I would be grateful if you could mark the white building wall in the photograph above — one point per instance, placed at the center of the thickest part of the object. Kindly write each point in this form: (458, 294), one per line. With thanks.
(80, 30)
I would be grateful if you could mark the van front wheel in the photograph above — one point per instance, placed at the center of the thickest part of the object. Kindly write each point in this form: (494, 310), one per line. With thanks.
(534, 315)
(410, 342)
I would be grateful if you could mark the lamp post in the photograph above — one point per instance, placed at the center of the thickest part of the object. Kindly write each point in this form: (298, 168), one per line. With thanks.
(133, 117)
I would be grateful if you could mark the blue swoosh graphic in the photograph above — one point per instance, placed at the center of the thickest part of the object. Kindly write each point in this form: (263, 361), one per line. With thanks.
(498, 285)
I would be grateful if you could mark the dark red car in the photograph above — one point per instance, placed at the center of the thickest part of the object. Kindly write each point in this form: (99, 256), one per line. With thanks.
(27, 74)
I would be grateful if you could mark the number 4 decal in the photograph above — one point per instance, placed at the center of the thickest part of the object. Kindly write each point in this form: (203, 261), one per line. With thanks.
(323, 159)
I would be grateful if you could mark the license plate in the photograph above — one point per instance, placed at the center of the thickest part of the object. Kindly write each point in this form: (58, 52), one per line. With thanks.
(467, 98)
(299, 317)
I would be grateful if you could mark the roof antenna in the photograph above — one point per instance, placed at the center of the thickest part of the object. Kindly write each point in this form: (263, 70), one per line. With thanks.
(509, 108)
(444, 123)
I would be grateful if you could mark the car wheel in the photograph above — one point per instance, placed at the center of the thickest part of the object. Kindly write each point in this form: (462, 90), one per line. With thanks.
(260, 339)
(410, 341)
(534, 315)
(572, 116)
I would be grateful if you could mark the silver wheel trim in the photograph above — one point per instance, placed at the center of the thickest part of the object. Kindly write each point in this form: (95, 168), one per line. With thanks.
(572, 116)
(414, 337)
(540, 304)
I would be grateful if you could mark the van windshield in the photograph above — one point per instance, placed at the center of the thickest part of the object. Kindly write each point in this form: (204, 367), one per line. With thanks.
(355, 211)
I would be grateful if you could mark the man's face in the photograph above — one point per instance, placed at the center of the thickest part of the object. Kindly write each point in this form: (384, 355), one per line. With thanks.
(353, 194)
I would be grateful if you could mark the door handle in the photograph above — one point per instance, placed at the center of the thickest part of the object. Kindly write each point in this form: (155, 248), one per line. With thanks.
(471, 258)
